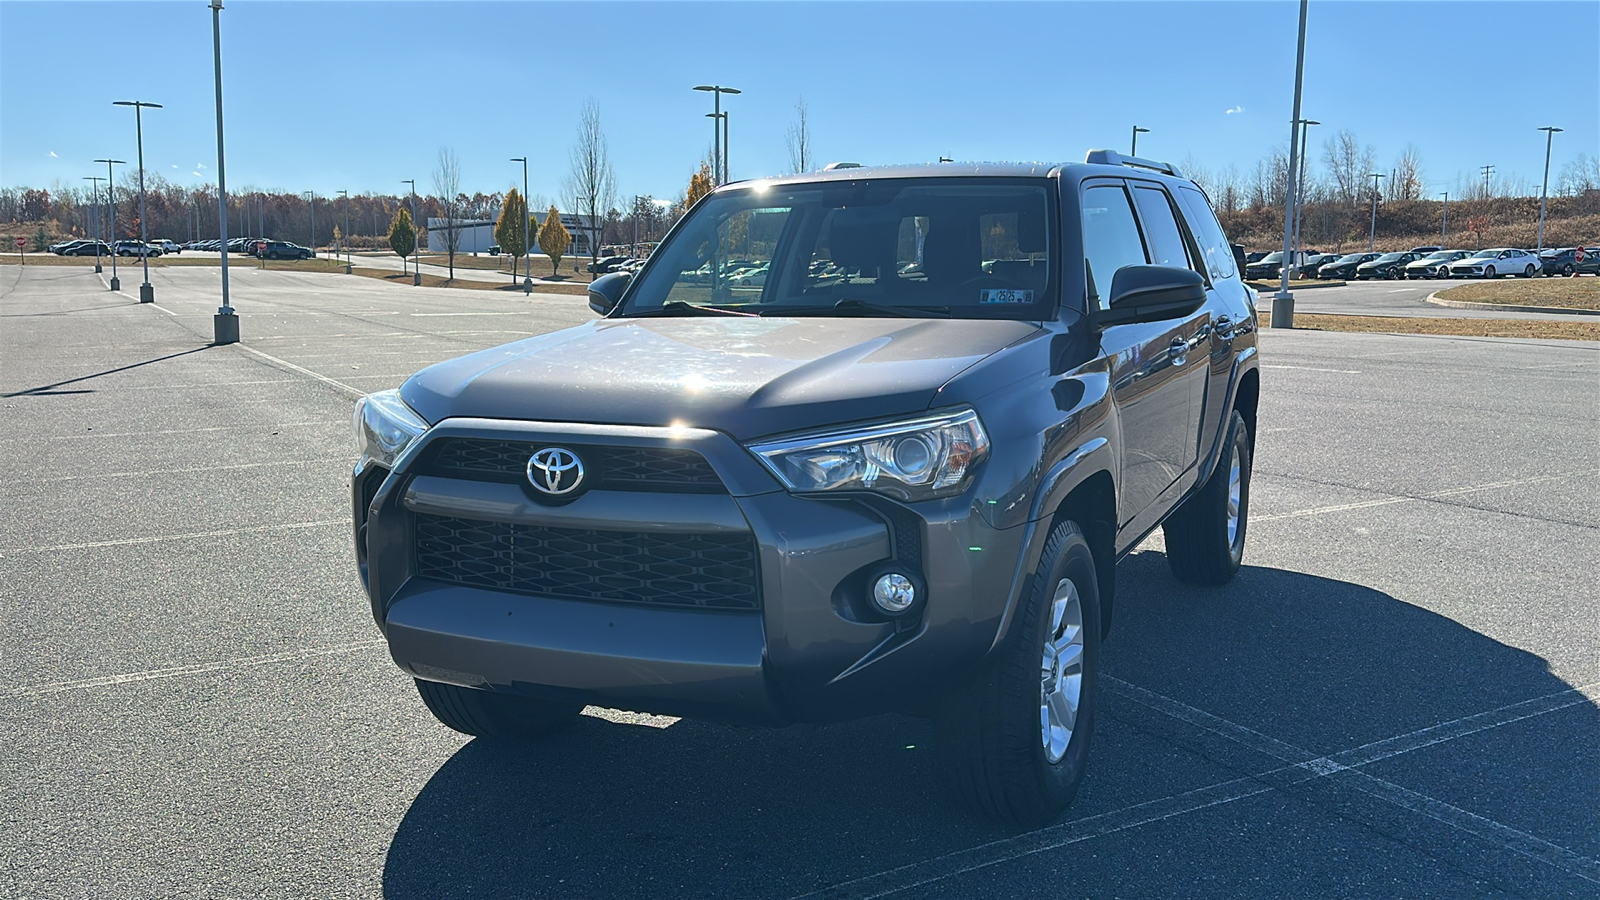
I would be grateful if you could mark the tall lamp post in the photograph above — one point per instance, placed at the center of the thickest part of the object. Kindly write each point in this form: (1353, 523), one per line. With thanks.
(111, 225)
(416, 257)
(1300, 191)
(1372, 236)
(346, 239)
(1550, 136)
(1446, 219)
(225, 324)
(147, 294)
(719, 155)
(717, 120)
(311, 203)
(96, 179)
(1283, 300)
(1134, 150)
(527, 242)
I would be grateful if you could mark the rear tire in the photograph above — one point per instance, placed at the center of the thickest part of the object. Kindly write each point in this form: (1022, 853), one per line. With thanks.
(1009, 750)
(1528, 272)
(1205, 537)
(496, 716)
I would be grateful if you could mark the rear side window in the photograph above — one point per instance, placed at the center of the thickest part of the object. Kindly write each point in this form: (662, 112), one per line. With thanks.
(1160, 228)
(1110, 238)
(1203, 224)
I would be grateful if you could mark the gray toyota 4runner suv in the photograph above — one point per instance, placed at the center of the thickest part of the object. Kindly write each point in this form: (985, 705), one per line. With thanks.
(870, 440)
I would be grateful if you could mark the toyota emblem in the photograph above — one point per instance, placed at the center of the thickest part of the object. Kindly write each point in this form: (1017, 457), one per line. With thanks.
(555, 471)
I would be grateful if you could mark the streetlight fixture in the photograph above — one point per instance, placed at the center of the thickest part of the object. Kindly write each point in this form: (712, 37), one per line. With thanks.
(1372, 236)
(111, 204)
(147, 294)
(311, 202)
(1544, 189)
(346, 239)
(1300, 192)
(1446, 219)
(416, 257)
(96, 179)
(719, 154)
(527, 242)
(1134, 150)
(1283, 300)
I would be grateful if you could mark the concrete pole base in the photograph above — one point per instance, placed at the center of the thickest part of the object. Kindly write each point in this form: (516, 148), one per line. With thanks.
(416, 279)
(347, 268)
(116, 283)
(1283, 311)
(97, 269)
(147, 293)
(225, 328)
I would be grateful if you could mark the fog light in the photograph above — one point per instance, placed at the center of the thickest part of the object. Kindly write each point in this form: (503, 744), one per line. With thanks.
(894, 593)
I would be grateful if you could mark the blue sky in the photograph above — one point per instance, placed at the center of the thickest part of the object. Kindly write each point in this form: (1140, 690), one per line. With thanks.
(314, 98)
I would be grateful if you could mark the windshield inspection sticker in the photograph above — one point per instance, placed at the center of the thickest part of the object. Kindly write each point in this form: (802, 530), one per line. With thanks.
(1004, 295)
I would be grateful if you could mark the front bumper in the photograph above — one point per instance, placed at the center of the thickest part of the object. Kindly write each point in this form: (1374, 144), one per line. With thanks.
(813, 649)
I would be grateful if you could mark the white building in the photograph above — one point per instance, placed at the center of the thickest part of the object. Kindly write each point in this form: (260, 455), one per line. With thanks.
(477, 235)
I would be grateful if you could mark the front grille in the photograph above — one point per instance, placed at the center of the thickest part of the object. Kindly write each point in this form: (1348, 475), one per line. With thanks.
(694, 570)
(606, 468)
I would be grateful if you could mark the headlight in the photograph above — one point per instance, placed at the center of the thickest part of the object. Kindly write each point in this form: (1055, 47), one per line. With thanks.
(921, 459)
(385, 426)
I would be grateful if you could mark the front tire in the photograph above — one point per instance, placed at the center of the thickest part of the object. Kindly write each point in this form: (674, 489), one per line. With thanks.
(1205, 536)
(1015, 741)
(1489, 272)
(495, 716)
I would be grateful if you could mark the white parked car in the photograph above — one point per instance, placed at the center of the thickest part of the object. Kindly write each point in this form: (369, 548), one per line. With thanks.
(1496, 262)
(1435, 264)
(168, 246)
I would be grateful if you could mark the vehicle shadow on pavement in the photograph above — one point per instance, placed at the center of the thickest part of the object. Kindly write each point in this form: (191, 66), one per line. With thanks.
(51, 388)
(617, 810)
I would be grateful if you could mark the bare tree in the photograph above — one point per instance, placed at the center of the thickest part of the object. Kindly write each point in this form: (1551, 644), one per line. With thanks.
(1580, 175)
(799, 140)
(1406, 180)
(1348, 164)
(591, 187)
(447, 183)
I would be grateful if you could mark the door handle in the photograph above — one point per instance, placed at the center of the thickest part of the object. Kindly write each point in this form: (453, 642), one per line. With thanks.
(1224, 327)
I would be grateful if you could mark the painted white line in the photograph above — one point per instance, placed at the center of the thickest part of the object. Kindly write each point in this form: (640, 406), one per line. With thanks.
(521, 313)
(1400, 290)
(185, 469)
(1313, 369)
(197, 669)
(123, 434)
(355, 392)
(184, 536)
(1202, 719)
(163, 309)
(1434, 495)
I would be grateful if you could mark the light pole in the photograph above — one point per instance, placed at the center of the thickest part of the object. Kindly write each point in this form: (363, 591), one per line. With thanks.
(311, 203)
(719, 155)
(1549, 137)
(147, 294)
(96, 179)
(346, 238)
(1372, 236)
(111, 205)
(1446, 219)
(1300, 191)
(716, 135)
(225, 324)
(1134, 150)
(416, 258)
(527, 243)
(1283, 300)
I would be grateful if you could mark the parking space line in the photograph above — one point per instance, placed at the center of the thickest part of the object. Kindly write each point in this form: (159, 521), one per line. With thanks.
(1432, 495)
(1311, 369)
(196, 669)
(153, 432)
(182, 469)
(355, 392)
(182, 536)
(164, 309)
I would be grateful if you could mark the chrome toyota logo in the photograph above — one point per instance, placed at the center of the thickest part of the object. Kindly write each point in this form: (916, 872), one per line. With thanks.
(555, 471)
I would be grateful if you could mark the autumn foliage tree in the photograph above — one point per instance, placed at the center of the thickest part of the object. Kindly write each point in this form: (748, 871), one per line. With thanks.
(554, 239)
(511, 231)
(699, 185)
(402, 233)
(1476, 225)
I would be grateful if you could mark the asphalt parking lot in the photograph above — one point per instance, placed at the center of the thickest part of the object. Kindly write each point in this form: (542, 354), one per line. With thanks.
(1398, 697)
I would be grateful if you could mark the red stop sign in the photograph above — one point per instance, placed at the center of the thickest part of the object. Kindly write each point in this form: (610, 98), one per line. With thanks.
(22, 242)
(1579, 253)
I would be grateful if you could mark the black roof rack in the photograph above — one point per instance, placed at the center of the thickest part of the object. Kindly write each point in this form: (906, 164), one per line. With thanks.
(1113, 158)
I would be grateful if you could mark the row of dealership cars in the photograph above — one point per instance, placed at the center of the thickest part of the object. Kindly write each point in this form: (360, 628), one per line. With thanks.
(1434, 262)
(119, 248)
(258, 247)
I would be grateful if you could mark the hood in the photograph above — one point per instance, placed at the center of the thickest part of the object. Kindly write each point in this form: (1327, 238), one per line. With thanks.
(744, 376)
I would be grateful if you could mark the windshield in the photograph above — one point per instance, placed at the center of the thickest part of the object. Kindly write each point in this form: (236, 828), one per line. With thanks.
(1389, 257)
(1485, 254)
(1354, 257)
(1551, 254)
(967, 247)
(1274, 256)
(1440, 254)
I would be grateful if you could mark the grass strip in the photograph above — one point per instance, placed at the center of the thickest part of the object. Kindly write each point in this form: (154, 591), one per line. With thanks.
(1513, 328)
(1553, 293)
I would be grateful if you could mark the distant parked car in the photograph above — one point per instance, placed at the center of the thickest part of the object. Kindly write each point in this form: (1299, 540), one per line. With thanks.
(1345, 266)
(282, 250)
(494, 250)
(1271, 265)
(1308, 269)
(1565, 261)
(1254, 256)
(1495, 262)
(605, 265)
(134, 248)
(168, 246)
(62, 248)
(1435, 264)
(89, 248)
(1389, 265)
(1425, 249)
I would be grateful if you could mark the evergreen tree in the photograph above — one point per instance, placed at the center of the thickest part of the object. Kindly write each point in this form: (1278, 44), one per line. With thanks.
(511, 231)
(554, 238)
(402, 234)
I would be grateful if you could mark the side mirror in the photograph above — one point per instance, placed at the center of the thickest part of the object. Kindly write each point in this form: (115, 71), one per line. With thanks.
(1152, 294)
(605, 291)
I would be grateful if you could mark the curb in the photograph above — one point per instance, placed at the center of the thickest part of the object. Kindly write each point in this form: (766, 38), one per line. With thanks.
(1436, 300)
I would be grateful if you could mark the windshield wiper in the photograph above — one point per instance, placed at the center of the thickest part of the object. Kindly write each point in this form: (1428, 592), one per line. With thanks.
(678, 307)
(853, 305)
